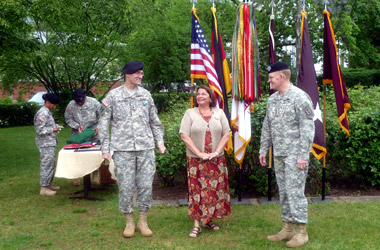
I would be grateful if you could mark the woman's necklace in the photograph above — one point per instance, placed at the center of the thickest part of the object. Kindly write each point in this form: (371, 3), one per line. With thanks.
(206, 120)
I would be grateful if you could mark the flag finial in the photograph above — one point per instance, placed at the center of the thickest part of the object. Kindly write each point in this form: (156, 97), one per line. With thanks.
(194, 2)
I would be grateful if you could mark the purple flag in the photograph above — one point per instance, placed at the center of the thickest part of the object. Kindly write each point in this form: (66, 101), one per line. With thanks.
(333, 74)
(307, 81)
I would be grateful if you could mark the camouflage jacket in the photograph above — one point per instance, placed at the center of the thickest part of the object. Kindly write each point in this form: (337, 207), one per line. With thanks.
(44, 124)
(134, 121)
(86, 115)
(288, 124)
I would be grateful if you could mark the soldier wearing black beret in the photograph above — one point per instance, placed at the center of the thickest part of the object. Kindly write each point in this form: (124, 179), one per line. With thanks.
(289, 127)
(46, 141)
(132, 67)
(83, 113)
(135, 126)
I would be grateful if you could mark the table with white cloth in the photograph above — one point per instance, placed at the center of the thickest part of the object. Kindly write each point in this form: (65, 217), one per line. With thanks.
(72, 164)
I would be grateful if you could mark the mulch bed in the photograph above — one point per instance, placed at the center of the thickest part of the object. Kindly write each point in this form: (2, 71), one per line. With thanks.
(179, 191)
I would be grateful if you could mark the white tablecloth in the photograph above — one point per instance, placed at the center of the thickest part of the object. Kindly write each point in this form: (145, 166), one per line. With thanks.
(73, 165)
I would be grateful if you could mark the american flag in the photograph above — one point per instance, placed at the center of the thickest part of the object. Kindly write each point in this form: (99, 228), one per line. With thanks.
(202, 64)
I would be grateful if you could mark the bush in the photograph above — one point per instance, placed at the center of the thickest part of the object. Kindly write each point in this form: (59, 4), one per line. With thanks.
(165, 100)
(18, 114)
(6, 100)
(172, 165)
(364, 77)
(355, 159)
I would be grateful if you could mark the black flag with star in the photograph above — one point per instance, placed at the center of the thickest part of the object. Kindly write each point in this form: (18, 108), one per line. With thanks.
(307, 81)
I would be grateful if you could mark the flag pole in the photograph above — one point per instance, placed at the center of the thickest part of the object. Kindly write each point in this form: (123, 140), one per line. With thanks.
(324, 157)
(192, 93)
(271, 61)
(240, 180)
(324, 131)
(270, 174)
(193, 1)
(192, 79)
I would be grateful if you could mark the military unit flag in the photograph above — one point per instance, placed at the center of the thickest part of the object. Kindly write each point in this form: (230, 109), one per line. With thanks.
(245, 77)
(307, 81)
(333, 74)
(222, 70)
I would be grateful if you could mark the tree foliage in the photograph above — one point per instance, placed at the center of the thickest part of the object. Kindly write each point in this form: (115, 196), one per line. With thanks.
(366, 50)
(79, 43)
(64, 44)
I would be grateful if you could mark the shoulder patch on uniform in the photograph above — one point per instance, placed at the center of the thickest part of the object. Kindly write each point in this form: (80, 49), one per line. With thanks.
(68, 110)
(309, 112)
(42, 118)
(106, 102)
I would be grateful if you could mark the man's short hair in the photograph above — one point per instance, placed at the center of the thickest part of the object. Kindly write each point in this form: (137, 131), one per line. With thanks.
(287, 73)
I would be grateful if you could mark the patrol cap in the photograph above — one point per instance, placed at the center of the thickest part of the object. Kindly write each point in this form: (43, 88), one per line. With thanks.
(51, 97)
(277, 67)
(79, 95)
(132, 67)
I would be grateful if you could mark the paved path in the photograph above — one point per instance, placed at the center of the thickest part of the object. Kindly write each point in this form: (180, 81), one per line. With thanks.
(256, 201)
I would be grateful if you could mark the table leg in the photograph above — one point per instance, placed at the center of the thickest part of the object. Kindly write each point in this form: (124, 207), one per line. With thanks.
(86, 189)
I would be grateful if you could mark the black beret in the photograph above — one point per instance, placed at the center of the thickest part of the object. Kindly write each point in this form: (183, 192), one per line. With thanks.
(51, 97)
(277, 67)
(132, 67)
(79, 95)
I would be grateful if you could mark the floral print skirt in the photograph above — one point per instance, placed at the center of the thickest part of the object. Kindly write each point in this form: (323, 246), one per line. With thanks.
(209, 196)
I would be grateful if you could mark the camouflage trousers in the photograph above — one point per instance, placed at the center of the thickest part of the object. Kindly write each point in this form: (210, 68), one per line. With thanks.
(291, 186)
(135, 168)
(47, 167)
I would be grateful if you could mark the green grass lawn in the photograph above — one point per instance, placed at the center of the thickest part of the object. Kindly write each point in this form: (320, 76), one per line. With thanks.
(31, 221)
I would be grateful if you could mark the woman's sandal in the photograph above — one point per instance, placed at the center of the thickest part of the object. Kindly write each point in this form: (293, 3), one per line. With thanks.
(194, 232)
(211, 225)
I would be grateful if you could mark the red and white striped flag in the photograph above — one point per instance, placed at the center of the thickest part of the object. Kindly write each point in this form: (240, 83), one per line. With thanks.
(202, 65)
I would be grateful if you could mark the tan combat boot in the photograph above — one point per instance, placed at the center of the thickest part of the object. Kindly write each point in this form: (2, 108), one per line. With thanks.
(54, 188)
(47, 191)
(301, 237)
(129, 230)
(142, 225)
(287, 232)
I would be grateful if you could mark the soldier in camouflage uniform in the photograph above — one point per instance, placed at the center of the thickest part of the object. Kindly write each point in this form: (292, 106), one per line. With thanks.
(46, 140)
(134, 126)
(82, 113)
(289, 127)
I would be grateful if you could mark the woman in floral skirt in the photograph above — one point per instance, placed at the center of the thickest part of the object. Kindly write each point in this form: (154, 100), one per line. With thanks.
(205, 131)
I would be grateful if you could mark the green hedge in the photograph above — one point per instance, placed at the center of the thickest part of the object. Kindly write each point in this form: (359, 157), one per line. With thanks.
(165, 100)
(364, 77)
(172, 165)
(355, 159)
(18, 114)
